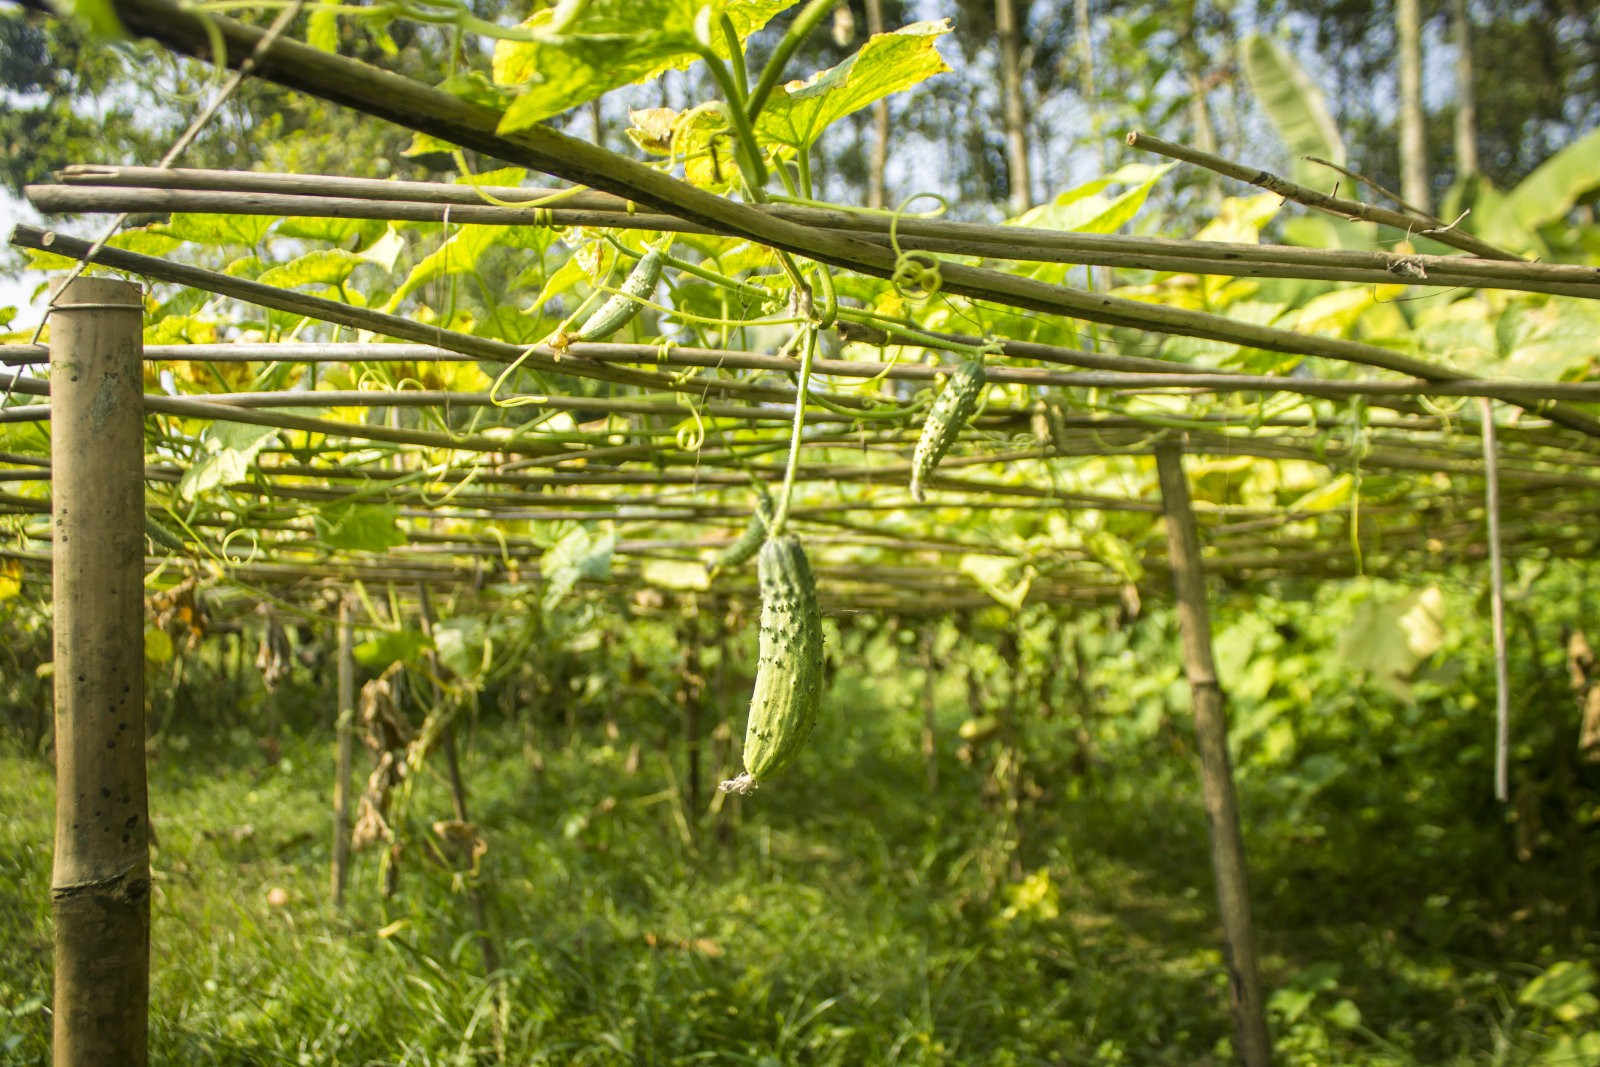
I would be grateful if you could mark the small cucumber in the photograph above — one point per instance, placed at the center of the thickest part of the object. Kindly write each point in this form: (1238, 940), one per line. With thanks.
(618, 311)
(951, 409)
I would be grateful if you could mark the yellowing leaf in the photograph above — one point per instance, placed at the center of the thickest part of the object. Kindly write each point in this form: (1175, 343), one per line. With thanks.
(675, 574)
(1334, 495)
(10, 579)
(157, 646)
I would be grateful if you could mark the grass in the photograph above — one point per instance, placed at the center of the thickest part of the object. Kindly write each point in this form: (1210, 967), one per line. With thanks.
(844, 916)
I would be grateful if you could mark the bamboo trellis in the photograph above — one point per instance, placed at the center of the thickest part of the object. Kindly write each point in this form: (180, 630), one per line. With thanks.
(461, 475)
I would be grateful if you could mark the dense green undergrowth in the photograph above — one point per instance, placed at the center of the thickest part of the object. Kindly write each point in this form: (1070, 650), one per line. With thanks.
(846, 914)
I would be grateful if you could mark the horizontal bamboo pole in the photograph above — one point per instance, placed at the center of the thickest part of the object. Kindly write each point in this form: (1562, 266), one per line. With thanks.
(962, 237)
(415, 106)
(1168, 377)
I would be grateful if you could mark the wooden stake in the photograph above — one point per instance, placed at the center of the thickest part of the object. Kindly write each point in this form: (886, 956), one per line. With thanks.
(345, 730)
(100, 884)
(1211, 735)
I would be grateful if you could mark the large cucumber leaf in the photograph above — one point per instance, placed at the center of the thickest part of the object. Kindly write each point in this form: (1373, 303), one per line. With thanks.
(608, 44)
(798, 112)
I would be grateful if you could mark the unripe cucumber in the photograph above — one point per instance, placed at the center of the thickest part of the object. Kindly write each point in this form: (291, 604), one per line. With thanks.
(788, 688)
(750, 539)
(618, 311)
(951, 409)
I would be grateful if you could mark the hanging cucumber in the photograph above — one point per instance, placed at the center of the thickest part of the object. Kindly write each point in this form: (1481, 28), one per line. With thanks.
(951, 409)
(788, 689)
(618, 311)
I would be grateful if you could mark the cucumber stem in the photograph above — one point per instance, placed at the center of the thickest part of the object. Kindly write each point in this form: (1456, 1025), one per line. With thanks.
(780, 517)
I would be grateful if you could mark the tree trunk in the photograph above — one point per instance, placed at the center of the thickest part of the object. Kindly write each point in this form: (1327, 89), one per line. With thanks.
(1194, 72)
(1086, 88)
(1016, 117)
(1413, 149)
(100, 885)
(1211, 736)
(1466, 94)
(877, 170)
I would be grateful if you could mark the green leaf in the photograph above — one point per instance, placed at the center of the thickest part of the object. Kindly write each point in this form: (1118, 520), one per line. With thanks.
(1330, 497)
(359, 527)
(1116, 554)
(98, 17)
(1548, 339)
(216, 229)
(1082, 210)
(325, 266)
(1389, 637)
(609, 44)
(1557, 184)
(458, 255)
(797, 113)
(322, 29)
(392, 646)
(231, 448)
(1563, 984)
(1004, 578)
(580, 554)
(461, 642)
(145, 242)
(157, 646)
(1295, 106)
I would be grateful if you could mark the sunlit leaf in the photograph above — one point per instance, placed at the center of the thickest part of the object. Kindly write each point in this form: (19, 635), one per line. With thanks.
(216, 229)
(231, 447)
(324, 266)
(609, 44)
(675, 574)
(798, 112)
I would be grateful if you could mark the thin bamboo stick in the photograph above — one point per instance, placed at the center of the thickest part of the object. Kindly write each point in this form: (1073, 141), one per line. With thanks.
(1353, 209)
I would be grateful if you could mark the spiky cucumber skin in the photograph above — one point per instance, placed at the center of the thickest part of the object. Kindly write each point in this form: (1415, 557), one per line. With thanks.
(788, 690)
(951, 409)
(750, 538)
(619, 310)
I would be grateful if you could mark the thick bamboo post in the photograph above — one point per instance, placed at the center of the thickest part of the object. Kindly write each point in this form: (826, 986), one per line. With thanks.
(1211, 735)
(345, 730)
(100, 885)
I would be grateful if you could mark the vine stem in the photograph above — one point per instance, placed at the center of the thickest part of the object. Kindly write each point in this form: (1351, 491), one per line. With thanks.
(781, 515)
(809, 18)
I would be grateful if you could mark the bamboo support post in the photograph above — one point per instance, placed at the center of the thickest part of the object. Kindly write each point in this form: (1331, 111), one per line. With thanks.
(1211, 734)
(345, 731)
(100, 884)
